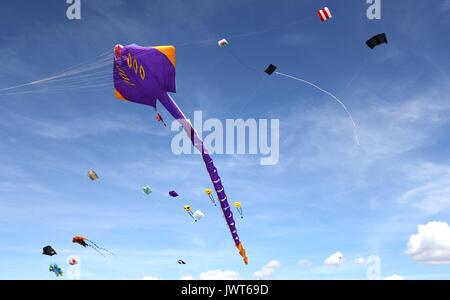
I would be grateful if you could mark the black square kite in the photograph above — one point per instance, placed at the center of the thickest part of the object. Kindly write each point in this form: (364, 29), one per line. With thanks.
(270, 69)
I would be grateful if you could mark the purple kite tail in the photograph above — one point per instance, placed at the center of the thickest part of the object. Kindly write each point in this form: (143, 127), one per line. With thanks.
(226, 209)
(176, 112)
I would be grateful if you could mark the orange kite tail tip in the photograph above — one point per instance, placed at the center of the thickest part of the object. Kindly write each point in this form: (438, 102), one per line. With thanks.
(242, 252)
(118, 95)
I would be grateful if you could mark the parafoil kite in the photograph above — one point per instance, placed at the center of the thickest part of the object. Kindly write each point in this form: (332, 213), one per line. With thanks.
(238, 206)
(377, 40)
(85, 242)
(92, 175)
(181, 262)
(55, 269)
(48, 250)
(147, 74)
(147, 190)
(209, 193)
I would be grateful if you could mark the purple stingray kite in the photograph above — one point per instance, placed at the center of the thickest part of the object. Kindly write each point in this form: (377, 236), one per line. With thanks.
(145, 75)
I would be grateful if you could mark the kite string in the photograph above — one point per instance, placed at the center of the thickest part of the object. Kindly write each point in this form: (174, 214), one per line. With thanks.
(100, 248)
(355, 75)
(242, 35)
(68, 82)
(56, 89)
(103, 59)
(211, 197)
(98, 59)
(74, 71)
(90, 246)
(329, 94)
(62, 85)
(252, 95)
(241, 61)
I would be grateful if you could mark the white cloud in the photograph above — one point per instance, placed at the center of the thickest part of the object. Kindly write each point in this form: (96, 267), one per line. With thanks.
(360, 261)
(150, 278)
(335, 259)
(219, 275)
(305, 264)
(273, 264)
(187, 277)
(394, 277)
(431, 245)
(268, 270)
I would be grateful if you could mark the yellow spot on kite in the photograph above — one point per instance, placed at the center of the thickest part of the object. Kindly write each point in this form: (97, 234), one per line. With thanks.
(169, 52)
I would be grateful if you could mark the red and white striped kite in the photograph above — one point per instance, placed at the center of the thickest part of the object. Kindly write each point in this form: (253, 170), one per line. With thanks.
(325, 14)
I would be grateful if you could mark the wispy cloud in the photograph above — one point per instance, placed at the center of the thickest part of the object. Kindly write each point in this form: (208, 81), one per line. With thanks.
(445, 5)
(430, 194)
(67, 128)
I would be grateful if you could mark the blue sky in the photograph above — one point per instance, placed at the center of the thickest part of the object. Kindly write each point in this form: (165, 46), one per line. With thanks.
(325, 195)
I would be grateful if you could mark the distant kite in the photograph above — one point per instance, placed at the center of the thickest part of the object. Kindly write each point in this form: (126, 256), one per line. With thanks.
(198, 215)
(324, 14)
(238, 206)
(188, 210)
(72, 261)
(92, 175)
(48, 250)
(222, 43)
(85, 242)
(209, 193)
(377, 40)
(270, 69)
(147, 190)
(159, 118)
(55, 269)
(173, 194)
